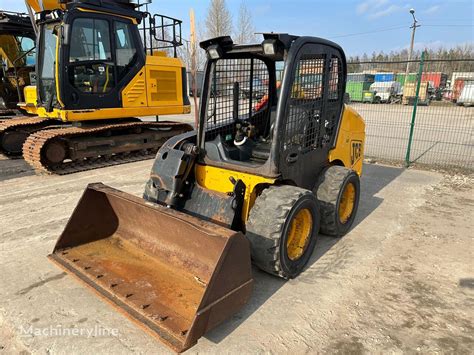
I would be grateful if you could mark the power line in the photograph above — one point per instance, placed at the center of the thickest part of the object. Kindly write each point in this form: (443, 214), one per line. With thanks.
(370, 32)
(397, 28)
(448, 25)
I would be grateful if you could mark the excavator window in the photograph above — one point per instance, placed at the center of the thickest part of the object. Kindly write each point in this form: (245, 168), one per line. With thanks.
(47, 63)
(90, 56)
(125, 50)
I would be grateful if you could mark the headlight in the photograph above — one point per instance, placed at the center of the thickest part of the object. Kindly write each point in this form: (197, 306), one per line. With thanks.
(214, 52)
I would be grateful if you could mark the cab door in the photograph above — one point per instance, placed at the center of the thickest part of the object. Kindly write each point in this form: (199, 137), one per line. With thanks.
(312, 104)
(102, 55)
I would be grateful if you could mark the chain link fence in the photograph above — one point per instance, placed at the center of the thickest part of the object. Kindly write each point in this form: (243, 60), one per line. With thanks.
(416, 112)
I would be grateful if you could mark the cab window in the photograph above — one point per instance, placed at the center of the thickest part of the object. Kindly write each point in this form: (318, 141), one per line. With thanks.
(90, 40)
(125, 51)
(91, 69)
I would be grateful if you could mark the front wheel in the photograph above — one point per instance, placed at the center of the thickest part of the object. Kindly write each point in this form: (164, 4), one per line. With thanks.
(282, 230)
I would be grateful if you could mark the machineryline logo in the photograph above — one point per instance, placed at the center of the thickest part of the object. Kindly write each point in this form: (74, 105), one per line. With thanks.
(62, 331)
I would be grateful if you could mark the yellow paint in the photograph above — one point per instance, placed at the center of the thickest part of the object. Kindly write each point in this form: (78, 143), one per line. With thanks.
(9, 49)
(111, 113)
(299, 234)
(218, 179)
(41, 5)
(134, 94)
(29, 92)
(350, 141)
(346, 205)
(109, 14)
(56, 71)
(164, 81)
(106, 78)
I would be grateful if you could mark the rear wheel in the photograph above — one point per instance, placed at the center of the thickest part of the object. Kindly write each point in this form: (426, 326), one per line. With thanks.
(282, 229)
(338, 195)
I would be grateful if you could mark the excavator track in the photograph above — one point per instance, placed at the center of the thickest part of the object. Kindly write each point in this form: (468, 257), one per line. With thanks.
(8, 114)
(72, 149)
(14, 131)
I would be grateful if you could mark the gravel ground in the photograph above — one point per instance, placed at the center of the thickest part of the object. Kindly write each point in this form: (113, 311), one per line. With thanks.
(401, 281)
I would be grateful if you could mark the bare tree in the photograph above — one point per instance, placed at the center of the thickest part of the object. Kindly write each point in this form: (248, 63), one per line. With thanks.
(185, 51)
(218, 20)
(245, 29)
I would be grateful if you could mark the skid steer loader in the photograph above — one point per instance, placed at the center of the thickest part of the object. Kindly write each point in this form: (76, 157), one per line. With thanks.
(258, 181)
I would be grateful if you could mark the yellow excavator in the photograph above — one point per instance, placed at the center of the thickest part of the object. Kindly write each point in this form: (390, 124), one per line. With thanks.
(100, 66)
(257, 182)
(17, 45)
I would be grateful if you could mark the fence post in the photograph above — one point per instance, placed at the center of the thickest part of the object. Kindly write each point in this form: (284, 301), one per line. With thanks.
(415, 104)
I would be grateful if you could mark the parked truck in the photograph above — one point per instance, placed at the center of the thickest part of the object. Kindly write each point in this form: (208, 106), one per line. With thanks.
(383, 92)
(466, 98)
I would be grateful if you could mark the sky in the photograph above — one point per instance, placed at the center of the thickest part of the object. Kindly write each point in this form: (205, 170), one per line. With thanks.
(358, 26)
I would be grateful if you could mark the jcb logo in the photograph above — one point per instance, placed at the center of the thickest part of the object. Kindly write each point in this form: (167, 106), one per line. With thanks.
(356, 151)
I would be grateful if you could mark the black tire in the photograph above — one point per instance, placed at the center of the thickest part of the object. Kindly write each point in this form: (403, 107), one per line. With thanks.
(268, 228)
(329, 194)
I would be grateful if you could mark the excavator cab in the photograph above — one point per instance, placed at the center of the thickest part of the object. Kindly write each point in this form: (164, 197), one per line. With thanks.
(270, 167)
(17, 60)
(108, 61)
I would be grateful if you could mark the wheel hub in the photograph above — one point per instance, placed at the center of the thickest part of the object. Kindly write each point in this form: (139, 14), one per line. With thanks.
(299, 234)
(346, 206)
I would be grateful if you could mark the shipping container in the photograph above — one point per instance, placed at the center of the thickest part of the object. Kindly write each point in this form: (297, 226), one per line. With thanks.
(360, 77)
(409, 93)
(437, 80)
(457, 88)
(461, 74)
(400, 77)
(467, 94)
(355, 89)
(384, 77)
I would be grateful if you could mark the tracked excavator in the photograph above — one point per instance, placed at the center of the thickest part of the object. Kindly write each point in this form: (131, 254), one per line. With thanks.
(17, 60)
(100, 66)
(257, 182)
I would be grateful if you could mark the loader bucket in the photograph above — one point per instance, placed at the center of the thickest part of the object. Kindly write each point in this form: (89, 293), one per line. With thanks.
(174, 274)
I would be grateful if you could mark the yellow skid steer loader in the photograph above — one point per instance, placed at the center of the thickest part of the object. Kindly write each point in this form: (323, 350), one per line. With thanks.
(269, 168)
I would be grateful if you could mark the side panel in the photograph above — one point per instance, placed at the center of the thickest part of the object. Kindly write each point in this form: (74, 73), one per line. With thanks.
(349, 148)
(164, 81)
(135, 93)
(217, 179)
(31, 98)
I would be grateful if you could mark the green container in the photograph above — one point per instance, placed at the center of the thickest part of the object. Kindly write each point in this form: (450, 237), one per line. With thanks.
(355, 89)
(400, 77)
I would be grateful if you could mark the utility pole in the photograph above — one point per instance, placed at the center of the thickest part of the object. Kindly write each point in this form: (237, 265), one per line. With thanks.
(410, 51)
(194, 66)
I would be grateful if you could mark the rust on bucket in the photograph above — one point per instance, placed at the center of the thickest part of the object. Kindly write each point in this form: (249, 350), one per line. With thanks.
(174, 274)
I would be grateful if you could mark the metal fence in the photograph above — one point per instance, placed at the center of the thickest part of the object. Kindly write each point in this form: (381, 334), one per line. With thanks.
(424, 117)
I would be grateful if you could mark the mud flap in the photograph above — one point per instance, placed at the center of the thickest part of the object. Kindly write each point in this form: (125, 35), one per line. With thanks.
(174, 274)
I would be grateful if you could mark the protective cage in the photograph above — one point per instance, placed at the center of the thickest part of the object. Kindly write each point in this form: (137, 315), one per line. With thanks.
(237, 86)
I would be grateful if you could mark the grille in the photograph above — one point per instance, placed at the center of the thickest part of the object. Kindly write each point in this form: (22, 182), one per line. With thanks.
(308, 127)
(238, 92)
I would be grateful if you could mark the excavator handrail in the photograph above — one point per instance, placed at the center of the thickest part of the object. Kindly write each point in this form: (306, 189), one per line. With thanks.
(156, 33)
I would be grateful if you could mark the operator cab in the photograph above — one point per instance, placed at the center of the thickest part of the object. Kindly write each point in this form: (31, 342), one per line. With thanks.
(270, 104)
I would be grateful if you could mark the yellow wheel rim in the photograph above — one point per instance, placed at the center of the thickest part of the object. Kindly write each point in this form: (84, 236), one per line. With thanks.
(299, 234)
(346, 206)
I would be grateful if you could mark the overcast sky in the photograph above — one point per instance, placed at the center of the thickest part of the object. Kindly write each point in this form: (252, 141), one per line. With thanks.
(378, 24)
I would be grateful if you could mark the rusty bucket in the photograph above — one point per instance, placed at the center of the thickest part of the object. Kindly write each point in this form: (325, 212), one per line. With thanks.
(174, 274)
